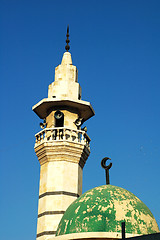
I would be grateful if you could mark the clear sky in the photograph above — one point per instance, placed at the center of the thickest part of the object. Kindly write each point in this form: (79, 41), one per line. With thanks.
(116, 48)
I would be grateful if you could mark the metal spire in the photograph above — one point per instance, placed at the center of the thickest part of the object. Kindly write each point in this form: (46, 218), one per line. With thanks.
(103, 164)
(67, 47)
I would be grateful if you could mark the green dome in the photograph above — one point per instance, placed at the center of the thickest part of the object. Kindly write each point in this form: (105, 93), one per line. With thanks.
(102, 209)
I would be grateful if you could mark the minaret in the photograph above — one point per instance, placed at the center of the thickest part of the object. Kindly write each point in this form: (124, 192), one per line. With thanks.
(62, 147)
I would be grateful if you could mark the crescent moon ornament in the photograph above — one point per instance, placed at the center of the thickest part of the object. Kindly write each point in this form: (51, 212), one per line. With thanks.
(103, 164)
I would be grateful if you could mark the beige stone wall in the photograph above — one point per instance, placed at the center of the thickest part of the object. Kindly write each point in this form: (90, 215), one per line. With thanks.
(70, 117)
(60, 176)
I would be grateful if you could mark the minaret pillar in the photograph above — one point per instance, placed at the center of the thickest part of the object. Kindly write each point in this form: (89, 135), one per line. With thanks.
(62, 147)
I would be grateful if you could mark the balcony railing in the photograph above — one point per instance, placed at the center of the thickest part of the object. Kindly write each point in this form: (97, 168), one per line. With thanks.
(62, 134)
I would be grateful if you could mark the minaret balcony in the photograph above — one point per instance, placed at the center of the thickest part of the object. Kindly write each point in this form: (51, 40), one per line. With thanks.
(62, 134)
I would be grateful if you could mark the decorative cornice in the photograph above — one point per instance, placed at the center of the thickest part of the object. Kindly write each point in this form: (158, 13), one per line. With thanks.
(62, 151)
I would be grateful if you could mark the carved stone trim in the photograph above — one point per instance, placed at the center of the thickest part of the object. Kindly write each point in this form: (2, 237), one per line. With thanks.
(46, 233)
(50, 213)
(59, 193)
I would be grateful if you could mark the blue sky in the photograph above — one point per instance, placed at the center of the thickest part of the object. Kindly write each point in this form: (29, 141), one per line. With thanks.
(116, 48)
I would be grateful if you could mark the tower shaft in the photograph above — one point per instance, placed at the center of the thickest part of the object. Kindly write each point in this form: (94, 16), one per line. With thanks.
(60, 181)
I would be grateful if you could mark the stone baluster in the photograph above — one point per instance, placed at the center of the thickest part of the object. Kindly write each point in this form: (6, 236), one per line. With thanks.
(45, 134)
(36, 139)
(77, 136)
(40, 137)
(58, 135)
(87, 141)
(53, 135)
(64, 134)
(83, 139)
(48, 135)
(68, 134)
(61, 133)
(74, 135)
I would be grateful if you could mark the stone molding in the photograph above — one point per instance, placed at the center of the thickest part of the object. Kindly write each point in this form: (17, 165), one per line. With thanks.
(62, 151)
(59, 193)
(92, 235)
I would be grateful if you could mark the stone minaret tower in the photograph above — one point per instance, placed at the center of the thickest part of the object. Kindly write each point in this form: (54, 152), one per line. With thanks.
(62, 147)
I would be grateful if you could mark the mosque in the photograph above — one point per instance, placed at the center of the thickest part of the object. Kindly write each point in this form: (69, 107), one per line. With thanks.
(62, 146)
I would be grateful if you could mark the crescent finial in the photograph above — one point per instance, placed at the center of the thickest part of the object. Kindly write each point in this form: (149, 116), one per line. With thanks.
(103, 164)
